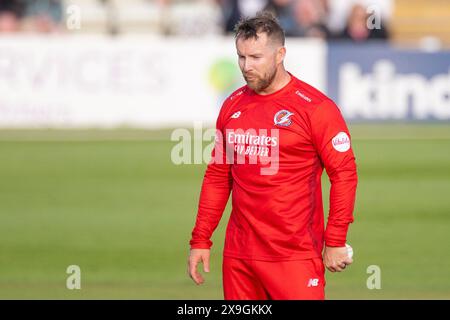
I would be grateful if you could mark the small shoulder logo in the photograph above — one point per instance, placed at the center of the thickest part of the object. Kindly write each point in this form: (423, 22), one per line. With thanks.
(236, 115)
(341, 142)
(304, 97)
(237, 94)
(282, 118)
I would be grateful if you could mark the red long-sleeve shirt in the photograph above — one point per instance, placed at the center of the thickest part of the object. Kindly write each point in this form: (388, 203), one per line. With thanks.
(278, 214)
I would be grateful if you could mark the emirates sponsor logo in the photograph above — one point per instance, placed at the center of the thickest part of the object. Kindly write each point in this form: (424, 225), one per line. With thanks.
(252, 139)
(251, 144)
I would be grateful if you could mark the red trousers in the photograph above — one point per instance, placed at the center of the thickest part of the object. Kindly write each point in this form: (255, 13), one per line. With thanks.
(273, 280)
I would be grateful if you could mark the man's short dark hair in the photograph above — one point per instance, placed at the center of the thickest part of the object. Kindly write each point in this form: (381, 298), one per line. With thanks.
(265, 22)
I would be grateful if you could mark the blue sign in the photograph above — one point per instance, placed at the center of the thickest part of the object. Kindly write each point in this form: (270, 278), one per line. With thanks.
(378, 82)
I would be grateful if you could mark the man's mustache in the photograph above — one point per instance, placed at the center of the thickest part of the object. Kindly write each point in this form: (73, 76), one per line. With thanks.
(252, 75)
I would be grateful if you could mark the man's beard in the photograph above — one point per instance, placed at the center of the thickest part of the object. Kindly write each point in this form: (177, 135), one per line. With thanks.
(258, 84)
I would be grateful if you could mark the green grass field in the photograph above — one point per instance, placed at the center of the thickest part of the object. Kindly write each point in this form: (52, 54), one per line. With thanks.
(112, 203)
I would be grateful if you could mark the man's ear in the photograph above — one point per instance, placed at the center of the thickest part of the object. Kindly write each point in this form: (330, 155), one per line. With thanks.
(281, 53)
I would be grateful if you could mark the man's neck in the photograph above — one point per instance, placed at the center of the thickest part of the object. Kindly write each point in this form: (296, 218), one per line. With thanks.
(281, 79)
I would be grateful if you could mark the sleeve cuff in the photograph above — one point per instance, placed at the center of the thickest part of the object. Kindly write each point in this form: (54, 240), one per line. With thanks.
(196, 244)
(336, 235)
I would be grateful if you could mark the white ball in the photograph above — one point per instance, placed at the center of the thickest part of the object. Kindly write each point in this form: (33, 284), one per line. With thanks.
(349, 250)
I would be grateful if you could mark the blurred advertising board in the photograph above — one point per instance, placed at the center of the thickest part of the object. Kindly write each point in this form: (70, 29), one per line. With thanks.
(378, 82)
(83, 81)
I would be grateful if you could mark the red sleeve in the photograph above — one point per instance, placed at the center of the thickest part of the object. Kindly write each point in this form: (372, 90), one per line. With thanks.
(214, 194)
(333, 143)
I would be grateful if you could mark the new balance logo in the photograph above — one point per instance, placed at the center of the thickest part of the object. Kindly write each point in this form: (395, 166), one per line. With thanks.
(236, 115)
(313, 283)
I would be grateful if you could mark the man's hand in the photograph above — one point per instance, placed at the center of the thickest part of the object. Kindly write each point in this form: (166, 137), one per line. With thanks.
(336, 258)
(196, 256)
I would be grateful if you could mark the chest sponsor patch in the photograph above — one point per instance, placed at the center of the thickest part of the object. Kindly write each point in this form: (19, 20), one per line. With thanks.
(341, 142)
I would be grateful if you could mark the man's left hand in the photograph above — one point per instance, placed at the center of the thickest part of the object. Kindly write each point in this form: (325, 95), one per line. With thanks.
(336, 258)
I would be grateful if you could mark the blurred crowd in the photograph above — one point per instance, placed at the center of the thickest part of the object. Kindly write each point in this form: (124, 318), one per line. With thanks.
(35, 15)
(327, 19)
(314, 18)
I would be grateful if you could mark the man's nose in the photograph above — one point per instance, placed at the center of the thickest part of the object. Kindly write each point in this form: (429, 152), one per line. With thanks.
(248, 66)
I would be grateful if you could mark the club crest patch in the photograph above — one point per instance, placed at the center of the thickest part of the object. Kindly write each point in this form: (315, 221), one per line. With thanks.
(283, 118)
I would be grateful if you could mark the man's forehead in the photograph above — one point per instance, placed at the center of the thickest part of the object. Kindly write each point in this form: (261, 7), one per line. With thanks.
(252, 43)
(260, 39)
